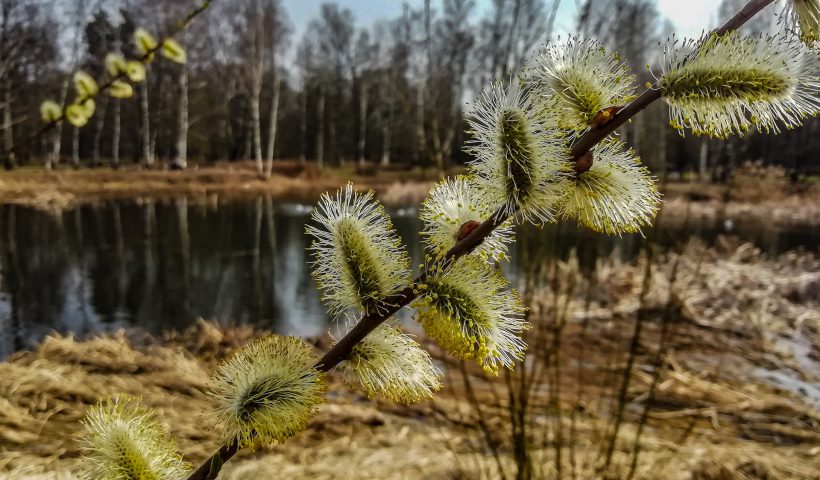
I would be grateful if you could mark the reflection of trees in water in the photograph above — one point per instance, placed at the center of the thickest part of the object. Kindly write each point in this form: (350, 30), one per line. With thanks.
(256, 264)
(144, 299)
(159, 265)
(10, 284)
(185, 257)
(34, 296)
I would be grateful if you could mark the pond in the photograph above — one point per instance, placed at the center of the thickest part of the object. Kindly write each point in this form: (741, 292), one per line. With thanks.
(160, 265)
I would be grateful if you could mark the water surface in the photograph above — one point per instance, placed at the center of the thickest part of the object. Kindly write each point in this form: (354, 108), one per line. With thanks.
(161, 265)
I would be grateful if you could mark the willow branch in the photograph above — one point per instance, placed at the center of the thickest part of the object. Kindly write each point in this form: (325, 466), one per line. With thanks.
(650, 95)
(177, 28)
(397, 301)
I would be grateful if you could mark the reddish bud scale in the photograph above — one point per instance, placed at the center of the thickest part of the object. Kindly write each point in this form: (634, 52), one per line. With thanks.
(466, 229)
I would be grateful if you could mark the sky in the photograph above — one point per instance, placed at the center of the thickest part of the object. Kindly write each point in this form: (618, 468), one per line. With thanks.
(689, 17)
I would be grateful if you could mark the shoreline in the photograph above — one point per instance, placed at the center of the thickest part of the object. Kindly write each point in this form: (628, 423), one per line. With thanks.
(66, 188)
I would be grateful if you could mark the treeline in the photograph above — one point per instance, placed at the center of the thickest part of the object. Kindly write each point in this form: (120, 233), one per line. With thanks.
(394, 93)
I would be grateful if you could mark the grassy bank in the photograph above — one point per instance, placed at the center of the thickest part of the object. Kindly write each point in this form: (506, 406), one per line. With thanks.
(732, 401)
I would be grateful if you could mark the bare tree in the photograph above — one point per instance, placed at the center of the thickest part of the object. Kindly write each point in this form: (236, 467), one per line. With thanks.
(123, 32)
(145, 128)
(10, 44)
(333, 31)
(510, 31)
(393, 78)
(304, 61)
(100, 37)
(278, 36)
(365, 57)
(454, 41)
(22, 31)
(52, 158)
(181, 160)
(257, 28)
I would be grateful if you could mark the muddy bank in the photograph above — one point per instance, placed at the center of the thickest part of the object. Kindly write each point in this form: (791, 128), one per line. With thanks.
(734, 395)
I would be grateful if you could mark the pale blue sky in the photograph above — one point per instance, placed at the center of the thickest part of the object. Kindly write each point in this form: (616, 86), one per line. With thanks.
(690, 17)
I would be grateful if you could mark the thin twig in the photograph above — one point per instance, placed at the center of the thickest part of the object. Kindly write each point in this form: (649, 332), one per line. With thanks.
(397, 301)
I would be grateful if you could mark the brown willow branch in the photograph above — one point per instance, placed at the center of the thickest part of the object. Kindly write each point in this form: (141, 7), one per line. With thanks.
(144, 59)
(397, 301)
(595, 135)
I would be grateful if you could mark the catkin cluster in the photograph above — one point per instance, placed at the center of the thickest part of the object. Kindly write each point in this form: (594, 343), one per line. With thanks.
(120, 74)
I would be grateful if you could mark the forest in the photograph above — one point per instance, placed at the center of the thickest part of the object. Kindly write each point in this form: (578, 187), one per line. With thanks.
(393, 93)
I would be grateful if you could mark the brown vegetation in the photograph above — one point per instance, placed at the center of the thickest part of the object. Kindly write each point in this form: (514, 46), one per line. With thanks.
(62, 189)
(728, 404)
(755, 192)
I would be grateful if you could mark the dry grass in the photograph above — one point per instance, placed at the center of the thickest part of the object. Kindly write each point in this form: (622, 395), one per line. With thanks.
(713, 417)
(44, 395)
(737, 389)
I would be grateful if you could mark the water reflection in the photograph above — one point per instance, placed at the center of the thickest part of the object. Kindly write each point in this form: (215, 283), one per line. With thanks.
(160, 265)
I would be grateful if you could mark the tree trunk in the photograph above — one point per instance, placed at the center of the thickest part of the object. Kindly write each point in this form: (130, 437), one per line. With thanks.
(703, 169)
(320, 135)
(53, 138)
(420, 134)
(257, 131)
(147, 153)
(181, 161)
(226, 126)
(247, 149)
(332, 156)
(160, 96)
(53, 157)
(303, 126)
(387, 132)
(437, 147)
(362, 121)
(508, 53)
(99, 123)
(8, 127)
(274, 122)
(115, 137)
(75, 147)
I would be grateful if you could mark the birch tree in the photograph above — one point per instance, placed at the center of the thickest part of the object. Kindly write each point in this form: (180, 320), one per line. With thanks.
(278, 33)
(365, 57)
(304, 62)
(334, 34)
(254, 24)
(453, 44)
